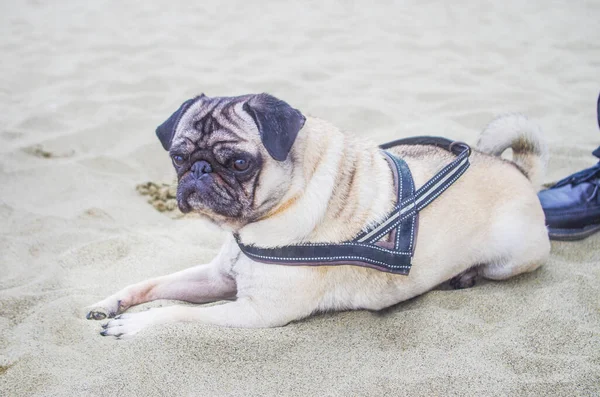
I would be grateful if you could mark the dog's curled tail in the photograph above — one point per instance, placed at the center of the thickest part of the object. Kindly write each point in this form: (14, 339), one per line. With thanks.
(524, 137)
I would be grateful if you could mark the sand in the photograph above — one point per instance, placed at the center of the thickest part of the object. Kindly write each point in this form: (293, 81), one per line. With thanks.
(84, 84)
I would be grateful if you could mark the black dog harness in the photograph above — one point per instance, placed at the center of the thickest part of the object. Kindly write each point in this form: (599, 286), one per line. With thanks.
(393, 254)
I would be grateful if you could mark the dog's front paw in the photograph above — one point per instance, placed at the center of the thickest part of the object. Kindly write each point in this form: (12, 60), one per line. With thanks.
(107, 308)
(129, 324)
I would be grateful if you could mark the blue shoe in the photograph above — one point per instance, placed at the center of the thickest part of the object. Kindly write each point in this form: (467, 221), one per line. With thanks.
(572, 205)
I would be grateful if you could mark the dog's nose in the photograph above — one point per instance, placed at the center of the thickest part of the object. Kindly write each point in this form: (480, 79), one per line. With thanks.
(200, 168)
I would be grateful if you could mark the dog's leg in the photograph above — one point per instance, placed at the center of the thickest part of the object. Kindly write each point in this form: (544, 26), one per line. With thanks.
(244, 313)
(506, 269)
(523, 247)
(199, 284)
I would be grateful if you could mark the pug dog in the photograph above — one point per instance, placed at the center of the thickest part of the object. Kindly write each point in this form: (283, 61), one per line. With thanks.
(263, 171)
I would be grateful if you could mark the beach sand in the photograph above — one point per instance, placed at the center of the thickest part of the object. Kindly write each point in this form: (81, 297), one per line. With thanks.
(83, 86)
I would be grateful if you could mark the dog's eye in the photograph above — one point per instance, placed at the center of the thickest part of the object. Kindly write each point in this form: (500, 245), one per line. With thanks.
(240, 165)
(178, 159)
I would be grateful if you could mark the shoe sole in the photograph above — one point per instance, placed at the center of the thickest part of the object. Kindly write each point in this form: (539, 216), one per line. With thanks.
(572, 234)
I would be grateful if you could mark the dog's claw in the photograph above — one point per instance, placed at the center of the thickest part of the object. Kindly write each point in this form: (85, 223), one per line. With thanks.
(95, 315)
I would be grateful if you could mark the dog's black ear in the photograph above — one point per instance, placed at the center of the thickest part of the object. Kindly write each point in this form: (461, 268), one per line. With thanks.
(277, 122)
(166, 130)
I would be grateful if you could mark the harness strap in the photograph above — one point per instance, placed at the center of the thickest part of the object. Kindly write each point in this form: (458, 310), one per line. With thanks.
(425, 195)
(366, 249)
(403, 235)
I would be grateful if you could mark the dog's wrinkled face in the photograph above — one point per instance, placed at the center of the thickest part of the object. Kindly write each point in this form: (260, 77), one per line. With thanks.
(231, 154)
